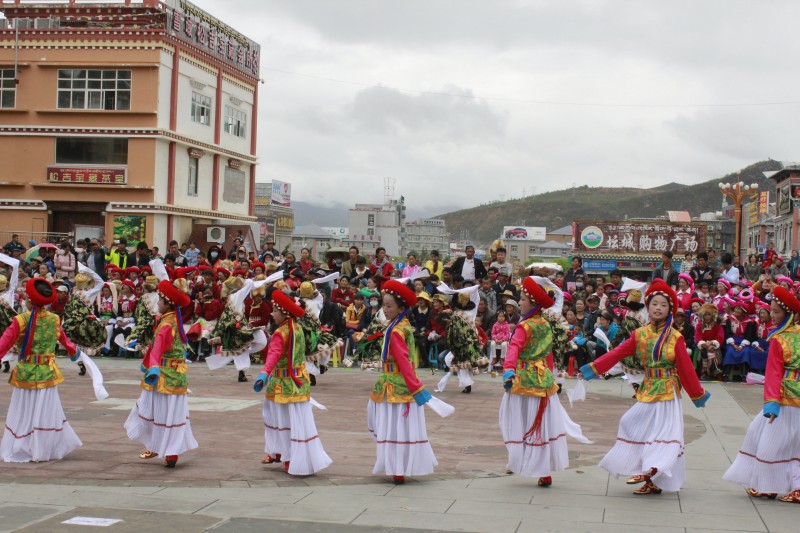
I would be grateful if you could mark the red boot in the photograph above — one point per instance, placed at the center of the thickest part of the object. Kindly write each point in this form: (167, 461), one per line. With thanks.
(170, 461)
(286, 466)
(545, 481)
(268, 460)
(399, 480)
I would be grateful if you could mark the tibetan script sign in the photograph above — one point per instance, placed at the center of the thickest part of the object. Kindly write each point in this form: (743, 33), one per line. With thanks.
(626, 237)
(88, 175)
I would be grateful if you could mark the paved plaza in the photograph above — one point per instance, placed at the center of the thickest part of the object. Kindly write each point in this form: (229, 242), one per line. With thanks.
(223, 487)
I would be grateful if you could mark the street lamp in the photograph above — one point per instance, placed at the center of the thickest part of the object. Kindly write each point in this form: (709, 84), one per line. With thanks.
(738, 192)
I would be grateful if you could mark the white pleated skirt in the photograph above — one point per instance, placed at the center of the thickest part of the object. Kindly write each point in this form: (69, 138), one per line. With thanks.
(290, 430)
(36, 428)
(650, 436)
(402, 442)
(533, 457)
(769, 459)
(161, 423)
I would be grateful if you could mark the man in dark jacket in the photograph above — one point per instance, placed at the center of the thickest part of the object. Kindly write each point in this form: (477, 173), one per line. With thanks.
(96, 258)
(667, 270)
(468, 267)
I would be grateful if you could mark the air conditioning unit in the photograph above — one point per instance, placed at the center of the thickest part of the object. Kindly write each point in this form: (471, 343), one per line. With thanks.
(215, 234)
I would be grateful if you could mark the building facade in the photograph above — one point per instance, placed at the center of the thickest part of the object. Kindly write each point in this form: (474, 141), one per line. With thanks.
(787, 202)
(316, 239)
(275, 218)
(427, 234)
(128, 118)
(378, 224)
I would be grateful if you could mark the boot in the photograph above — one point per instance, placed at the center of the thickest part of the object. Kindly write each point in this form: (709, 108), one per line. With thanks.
(170, 461)
(6, 367)
(242, 377)
(312, 379)
(399, 480)
(82, 371)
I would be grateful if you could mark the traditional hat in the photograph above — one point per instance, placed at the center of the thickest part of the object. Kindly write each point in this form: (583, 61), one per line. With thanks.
(687, 278)
(128, 283)
(206, 270)
(698, 300)
(509, 293)
(239, 272)
(151, 283)
(463, 302)
(609, 286)
(708, 308)
(40, 292)
(306, 290)
(173, 294)
(400, 291)
(109, 266)
(633, 300)
(225, 271)
(568, 298)
(146, 270)
(787, 279)
(659, 288)
(724, 282)
(286, 305)
(423, 295)
(133, 269)
(536, 293)
(81, 280)
(786, 300)
(258, 264)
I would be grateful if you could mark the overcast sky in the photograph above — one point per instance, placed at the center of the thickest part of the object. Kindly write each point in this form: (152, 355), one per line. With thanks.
(442, 95)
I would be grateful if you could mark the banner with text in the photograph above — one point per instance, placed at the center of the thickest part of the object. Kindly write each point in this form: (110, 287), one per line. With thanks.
(622, 236)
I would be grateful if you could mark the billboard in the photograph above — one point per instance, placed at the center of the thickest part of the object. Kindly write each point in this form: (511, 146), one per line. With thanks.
(784, 204)
(281, 194)
(624, 236)
(524, 233)
(130, 227)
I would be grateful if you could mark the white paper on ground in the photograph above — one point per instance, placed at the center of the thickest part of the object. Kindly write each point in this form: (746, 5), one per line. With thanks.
(100, 391)
(754, 379)
(578, 393)
(315, 403)
(91, 521)
(440, 408)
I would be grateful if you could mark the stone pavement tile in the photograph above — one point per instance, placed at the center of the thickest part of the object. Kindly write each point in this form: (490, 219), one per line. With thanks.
(253, 494)
(705, 520)
(606, 502)
(14, 516)
(717, 502)
(438, 522)
(512, 494)
(376, 502)
(283, 511)
(120, 501)
(259, 525)
(132, 521)
(533, 526)
(594, 484)
(696, 530)
(779, 516)
(529, 511)
(709, 480)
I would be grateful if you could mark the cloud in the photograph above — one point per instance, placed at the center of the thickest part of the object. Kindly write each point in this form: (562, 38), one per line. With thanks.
(455, 119)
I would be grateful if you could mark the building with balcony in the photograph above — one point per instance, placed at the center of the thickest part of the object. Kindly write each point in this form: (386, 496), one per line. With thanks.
(427, 234)
(128, 118)
(375, 225)
(787, 198)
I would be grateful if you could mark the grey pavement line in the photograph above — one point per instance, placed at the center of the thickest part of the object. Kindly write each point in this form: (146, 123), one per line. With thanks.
(198, 511)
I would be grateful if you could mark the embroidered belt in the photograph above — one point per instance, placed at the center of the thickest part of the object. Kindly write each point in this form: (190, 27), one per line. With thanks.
(659, 372)
(390, 368)
(284, 372)
(38, 359)
(172, 362)
(532, 366)
(792, 374)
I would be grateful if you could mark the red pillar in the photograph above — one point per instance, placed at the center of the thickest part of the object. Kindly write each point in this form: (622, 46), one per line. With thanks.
(215, 184)
(252, 196)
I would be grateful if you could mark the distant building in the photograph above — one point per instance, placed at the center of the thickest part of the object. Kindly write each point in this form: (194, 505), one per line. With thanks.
(758, 224)
(381, 224)
(275, 215)
(316, 239)
(521, 241)
(787, 189)
(563, 235)
(427, 234)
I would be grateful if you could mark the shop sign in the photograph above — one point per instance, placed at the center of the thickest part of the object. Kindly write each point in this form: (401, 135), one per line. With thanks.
(622, 236)
(88, 175)
(188, 22)
(638, 264)
(599, 264)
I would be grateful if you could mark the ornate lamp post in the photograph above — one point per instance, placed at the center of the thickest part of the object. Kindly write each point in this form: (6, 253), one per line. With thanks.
(738, 192)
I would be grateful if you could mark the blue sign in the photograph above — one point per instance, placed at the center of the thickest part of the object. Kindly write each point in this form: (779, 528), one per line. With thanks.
(597, 264)
(400, 265)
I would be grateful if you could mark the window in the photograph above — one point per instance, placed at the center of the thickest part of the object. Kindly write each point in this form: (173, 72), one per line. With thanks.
(91, 151)
(235, 121)
(8, 88)
(94, 89)
(370, 231)
(201, 109)
(370, 220)
(194, 165)
(233, 186)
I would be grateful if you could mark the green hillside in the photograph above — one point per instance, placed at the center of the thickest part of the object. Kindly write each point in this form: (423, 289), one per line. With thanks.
(559, 208)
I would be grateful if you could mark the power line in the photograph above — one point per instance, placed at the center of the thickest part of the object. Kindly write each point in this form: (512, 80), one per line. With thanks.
(525, 100)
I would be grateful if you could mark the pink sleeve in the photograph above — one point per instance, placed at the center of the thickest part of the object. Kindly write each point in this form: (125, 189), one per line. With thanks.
(773, 377)
(515, 346)
(399, 351)
(686, 371)
(603, 364)
(65, 342)
(161, 344)
(274, 350)
(9, 338)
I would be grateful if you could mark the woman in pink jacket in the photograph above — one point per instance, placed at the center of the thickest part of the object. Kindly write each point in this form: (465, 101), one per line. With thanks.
(64, 263)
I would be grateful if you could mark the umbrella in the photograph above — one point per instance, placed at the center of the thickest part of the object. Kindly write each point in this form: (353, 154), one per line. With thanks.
(548, 266)
(34, 251)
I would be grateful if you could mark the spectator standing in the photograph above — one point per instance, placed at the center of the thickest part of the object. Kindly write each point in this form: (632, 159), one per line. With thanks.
(191, 254)
(503, 266)
(96, 258)
(688, 263)
(778, 268)
(729, 272)
(14, 246)
(574, 271)
(470, 268)
(65, 263)
(667, 271)
(434, 265)
(701, 270)
(486, 291)
(769, 255)
(753, 268)
(180, 259)
(794, 264)
(411, 267)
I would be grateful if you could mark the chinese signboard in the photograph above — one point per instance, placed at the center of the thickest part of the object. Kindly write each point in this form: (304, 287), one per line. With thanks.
(524, 233)
(622, 236)
(191, 23)
(758, 208)
(88, 175)
(784, 204)
(281, 194)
